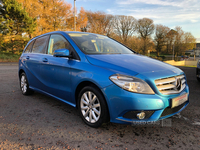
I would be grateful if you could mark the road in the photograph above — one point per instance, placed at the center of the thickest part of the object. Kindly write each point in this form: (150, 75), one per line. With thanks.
(41, 122)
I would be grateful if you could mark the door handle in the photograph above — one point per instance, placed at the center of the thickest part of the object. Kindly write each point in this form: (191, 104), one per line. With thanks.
(45, 60)
(27, 57)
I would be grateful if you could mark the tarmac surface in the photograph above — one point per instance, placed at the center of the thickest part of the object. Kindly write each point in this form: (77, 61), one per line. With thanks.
(41, 122)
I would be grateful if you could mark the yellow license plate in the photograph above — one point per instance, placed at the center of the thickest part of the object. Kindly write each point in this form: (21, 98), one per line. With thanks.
(179, 100)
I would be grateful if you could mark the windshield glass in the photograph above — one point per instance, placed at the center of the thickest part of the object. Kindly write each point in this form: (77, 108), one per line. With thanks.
(97, 44)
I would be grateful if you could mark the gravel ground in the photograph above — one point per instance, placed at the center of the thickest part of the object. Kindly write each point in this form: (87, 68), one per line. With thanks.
(41, 122)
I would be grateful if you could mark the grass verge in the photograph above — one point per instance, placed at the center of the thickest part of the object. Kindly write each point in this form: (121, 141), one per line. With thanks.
(7, 57)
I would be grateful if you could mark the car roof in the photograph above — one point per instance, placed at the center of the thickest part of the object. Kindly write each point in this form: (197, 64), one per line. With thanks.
(66, 32)
(61, 32)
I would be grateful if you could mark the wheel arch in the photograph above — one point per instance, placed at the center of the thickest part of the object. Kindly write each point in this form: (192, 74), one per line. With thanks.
(20, 72)
(89, 83)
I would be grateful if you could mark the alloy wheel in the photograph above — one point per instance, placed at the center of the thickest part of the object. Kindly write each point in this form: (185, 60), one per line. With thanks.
(23, 84)
(90, 107)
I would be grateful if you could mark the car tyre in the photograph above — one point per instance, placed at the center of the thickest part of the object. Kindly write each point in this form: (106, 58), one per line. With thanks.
(92, 106)
(24, 86)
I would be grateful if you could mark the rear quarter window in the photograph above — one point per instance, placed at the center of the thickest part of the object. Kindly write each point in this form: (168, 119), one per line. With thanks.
(29, 47)
(40, 45)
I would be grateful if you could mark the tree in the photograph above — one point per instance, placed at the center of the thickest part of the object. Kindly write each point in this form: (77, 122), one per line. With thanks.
(124, 27)
(170, 40)
(135, 43)
(14, 19)
(51, 14)
(54, 17)
(32, 7)
(160, 37)
(183, 41)
(145, 28)
(82, 20)
(189, 40)
(98, 22)
(179, 41)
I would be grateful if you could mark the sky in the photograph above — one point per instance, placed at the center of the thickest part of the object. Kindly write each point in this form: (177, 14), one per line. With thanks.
(171, 13)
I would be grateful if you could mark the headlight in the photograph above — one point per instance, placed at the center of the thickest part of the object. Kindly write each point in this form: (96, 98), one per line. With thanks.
(131, 84)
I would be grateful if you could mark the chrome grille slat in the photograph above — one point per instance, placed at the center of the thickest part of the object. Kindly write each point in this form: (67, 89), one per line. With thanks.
(183, 80)
(164, 81)
(172, 91)
(167, 86)
(181, 76)
(170, 85)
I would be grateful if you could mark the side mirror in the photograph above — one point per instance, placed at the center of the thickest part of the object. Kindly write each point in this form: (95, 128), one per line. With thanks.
(62, 53)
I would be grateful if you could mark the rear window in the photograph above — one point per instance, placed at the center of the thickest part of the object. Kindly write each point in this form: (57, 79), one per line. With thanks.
(29, 47)
(40, 45)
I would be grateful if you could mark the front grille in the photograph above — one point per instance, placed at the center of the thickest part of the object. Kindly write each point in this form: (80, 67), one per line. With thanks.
(172, 85)
(133, 114)
(169, 110)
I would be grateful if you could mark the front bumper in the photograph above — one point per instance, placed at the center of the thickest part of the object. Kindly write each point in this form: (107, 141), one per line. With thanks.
(121, 102)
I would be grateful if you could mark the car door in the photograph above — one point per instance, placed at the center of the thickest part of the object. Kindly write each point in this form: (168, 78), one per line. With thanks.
(56, 70)
(34, 60)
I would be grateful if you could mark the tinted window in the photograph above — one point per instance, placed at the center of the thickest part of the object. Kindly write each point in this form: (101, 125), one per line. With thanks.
(40, 45)
(29, 47)
(57, 42)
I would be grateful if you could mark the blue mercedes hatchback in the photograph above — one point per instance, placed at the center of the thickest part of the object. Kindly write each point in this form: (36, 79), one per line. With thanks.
(103, 79)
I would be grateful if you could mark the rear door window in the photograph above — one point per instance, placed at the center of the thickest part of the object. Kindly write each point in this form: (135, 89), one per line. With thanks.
(40, 45)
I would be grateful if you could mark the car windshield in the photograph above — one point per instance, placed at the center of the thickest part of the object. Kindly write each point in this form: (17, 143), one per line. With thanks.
(97, 44)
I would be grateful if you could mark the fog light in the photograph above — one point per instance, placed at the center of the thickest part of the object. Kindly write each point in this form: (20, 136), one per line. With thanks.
(141, 115)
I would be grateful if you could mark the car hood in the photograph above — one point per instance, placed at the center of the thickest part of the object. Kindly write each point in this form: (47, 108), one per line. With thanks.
(132, 64)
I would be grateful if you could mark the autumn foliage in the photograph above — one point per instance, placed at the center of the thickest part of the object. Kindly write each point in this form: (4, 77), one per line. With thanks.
(142, 35)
